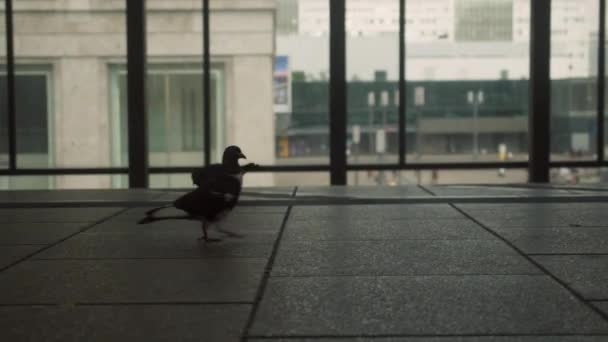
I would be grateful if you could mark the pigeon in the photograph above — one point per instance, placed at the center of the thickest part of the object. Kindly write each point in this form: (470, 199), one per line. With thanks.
(217, 193)
(230, 165)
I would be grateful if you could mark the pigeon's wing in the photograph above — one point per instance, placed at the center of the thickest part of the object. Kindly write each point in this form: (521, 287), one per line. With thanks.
(199, 202)
(206, 175)
(228, 188)
(211, 198)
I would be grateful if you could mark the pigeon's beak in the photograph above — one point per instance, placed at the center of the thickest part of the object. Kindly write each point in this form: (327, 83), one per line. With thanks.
(241, 155)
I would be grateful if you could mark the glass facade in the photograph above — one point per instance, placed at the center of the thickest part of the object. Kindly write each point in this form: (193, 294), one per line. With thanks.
(372, 74)
(574, 25)
(301, 83)
(467, 99)
(63, 52)
(466, 70)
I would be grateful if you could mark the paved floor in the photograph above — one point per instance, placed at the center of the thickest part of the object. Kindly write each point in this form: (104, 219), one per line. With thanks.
(444, 263)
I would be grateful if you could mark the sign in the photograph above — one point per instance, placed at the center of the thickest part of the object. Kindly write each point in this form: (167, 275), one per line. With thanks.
(280, 82)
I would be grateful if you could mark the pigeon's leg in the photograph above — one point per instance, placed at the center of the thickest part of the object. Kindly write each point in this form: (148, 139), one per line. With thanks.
(227, 232)
(205, 237)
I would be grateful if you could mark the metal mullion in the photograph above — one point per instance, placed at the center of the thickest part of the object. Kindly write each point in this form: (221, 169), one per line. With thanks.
(540, 91)
(402, 89)
(206, 84)
(10, 86)
(337, 91)
(601, 82)
(136, 77)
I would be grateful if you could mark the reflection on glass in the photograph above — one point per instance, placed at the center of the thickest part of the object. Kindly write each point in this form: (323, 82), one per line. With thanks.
(275, 59)
(62, 54)
(175, 116)
(574, 79)
(372, 43)
(4, 158)
(431, 177)
(467, 66)
(301, 84)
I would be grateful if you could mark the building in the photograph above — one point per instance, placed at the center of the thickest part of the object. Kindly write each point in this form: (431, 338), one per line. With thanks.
(71, 86)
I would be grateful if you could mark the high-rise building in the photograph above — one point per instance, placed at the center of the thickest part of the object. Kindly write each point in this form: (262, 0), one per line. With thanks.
(483, 20)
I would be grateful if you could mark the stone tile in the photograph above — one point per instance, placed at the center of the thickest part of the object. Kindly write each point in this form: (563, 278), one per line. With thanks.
(422, 305)
(383, 211)
(532, 210)
(602, 306)
(404, 257)
(123, 323)
(535, 207)
(379, 229)
(557, 240)
(247, 194)
(541, 218)
(55, 214)
(260, 209)
(10, 254)
(36, 233)
(251, 214)
(476, 190)
(158, 245)
(267, 193)
(254, 227)
(361, 191)
(129, 281)
(529, 338)
(586, 274)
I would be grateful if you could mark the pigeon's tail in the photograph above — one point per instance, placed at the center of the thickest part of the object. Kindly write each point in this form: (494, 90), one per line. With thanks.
(146, 220)
(151, 212)
(150, 219)
(150, 215)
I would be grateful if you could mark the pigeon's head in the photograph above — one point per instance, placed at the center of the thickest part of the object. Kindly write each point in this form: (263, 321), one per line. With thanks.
(231, 156)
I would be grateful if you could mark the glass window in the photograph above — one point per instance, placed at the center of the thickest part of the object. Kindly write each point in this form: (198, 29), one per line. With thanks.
(62, 54)
(175, 86)
(574, 79)
(276, 84)
(467, 86)
(372, 73)
(175, 114)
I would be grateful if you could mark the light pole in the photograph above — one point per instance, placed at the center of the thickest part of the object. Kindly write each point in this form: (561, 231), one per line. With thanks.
(355, 148)
(475, 99)
(381, 133)
(371, 102)
(396, 98)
